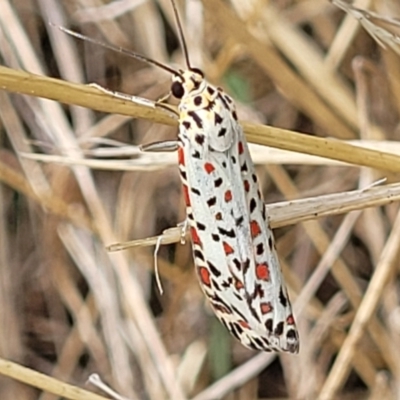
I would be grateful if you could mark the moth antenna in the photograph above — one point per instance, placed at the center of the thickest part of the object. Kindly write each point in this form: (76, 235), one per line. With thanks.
(180, 34)
(122, 50)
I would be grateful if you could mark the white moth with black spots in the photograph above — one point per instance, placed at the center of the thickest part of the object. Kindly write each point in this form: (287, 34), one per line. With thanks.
(233, 246)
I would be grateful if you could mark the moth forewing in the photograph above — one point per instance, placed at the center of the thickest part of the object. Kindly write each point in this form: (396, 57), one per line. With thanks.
(233, 246)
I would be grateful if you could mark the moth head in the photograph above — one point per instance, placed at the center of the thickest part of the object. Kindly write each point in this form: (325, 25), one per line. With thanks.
(188, 81)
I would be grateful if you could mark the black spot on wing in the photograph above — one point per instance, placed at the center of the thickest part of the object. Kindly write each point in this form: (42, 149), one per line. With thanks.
(215, 237)
(210, 105)
(231, 233)
(235, 330)
(222, 132)
(198, 254)
(260, 249)
(237, 263)
(259, 343)
(195, 191)
(196, 154)
(279, 329)
(238, 296)
(201, 226)
(246, 265)
(224, 323)
(226, 285)
(267, 344)
(212, 201)
(237, 312)
(292, 334)
(217, 119)
(258, 292)
(199, 139)
(217, 300)
(270, 243)
(239, 221)
(213, 269)
(252, 310)
(253, 204)
(196, 119)
(269, 324)
(218, 182)
(223, 99)
(252, 345)
(186, 124)
(215, 285)
(282, 297)
(243, 168)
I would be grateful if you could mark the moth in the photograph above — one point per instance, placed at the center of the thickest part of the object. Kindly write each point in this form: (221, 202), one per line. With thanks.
(233, 246)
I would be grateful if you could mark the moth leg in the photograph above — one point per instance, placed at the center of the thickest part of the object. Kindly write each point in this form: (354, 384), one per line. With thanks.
(184, 230)
(124, 96)
(162, 146)
(163, 99)
(156, 270)
(168, 107)
(162, 103)
(139, 100)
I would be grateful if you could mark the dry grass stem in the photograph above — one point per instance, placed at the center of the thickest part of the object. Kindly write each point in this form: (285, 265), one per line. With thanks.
(87, 96)
(293, 212)
(44, 382)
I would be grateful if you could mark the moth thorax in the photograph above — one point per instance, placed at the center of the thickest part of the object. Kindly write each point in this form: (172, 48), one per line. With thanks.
(188, 82)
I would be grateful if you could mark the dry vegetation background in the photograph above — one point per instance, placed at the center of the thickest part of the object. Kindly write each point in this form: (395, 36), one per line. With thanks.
(69, 308)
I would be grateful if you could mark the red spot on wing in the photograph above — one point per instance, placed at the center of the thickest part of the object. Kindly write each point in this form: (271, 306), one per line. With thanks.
(238, 285)
(195, 236)
(228, 196)
(186, 195)
(262, 272)
(290, 320)
(240, 147)
(266, 308)
(244, 324)
(227, 248)
(246, 185)
(204, 275)
(209, 167)
(181, 156)
(254, 228)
